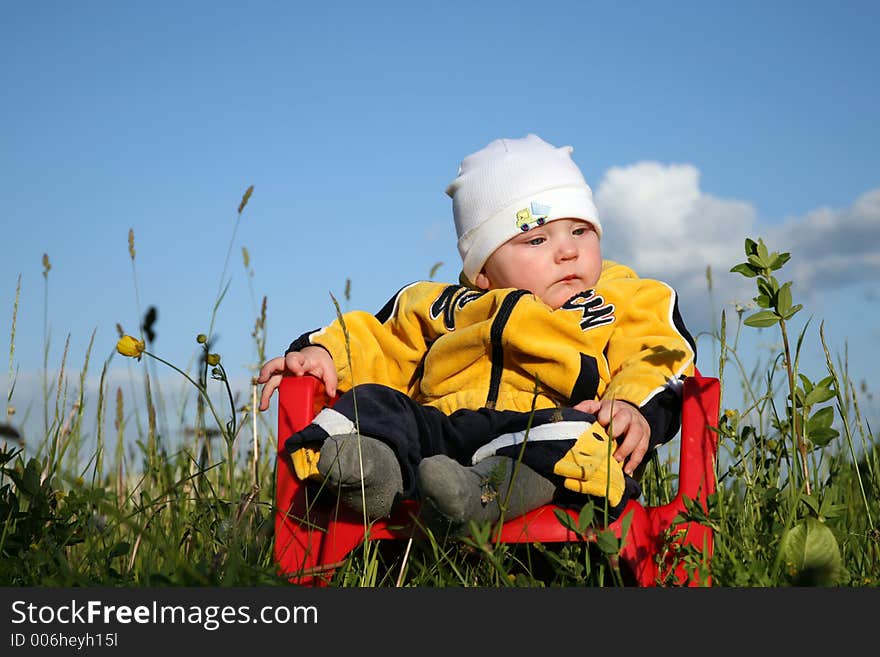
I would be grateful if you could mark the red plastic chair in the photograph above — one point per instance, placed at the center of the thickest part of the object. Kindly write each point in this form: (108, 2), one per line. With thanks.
(311, 540)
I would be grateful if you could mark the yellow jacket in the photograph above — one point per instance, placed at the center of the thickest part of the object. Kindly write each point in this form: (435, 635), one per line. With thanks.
(453, 347)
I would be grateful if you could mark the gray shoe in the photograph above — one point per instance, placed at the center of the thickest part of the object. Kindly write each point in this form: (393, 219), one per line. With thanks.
(454, 495)
(340, 464)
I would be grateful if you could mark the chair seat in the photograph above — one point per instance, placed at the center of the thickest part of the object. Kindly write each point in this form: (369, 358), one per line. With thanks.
(312, 539)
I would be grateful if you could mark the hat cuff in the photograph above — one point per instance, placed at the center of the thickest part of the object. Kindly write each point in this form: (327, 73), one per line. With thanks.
(475, 246)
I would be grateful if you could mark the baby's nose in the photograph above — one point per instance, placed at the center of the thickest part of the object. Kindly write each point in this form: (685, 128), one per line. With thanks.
(566, 250)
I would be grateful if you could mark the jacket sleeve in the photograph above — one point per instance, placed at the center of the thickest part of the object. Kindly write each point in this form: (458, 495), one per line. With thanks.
(386, 348)
(649, 354)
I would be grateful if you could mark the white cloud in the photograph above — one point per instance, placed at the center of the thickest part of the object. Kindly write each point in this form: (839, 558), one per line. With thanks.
(831, 248)
(657, 220)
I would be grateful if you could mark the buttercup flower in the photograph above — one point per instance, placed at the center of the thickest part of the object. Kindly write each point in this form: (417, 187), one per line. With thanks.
(131, 347)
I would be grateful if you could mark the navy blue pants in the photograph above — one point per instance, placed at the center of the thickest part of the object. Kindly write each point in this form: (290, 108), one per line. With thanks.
(415, 431)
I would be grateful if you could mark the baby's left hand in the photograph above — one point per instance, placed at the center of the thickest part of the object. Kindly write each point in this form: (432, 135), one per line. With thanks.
(630, 429)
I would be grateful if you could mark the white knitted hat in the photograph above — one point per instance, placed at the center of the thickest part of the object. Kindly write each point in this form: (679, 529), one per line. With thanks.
(510, 186)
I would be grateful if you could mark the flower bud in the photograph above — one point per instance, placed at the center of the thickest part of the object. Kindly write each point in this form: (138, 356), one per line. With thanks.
(213, 359)
(201, 338)
(131, 347)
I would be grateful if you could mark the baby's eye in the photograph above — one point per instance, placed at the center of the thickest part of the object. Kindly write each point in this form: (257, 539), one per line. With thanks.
(537, 241)
(579, 231)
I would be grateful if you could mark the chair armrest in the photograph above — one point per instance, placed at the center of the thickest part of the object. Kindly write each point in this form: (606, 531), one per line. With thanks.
(300, 398)
(701, 399)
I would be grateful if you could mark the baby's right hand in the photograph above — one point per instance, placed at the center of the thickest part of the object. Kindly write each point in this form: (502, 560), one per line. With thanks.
(313, 360)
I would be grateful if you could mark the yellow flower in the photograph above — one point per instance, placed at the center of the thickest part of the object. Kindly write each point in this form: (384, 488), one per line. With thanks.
(213, 359)
(129, 346)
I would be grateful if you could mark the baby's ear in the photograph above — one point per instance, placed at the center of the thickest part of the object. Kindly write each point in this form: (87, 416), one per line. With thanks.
(463, 280)
(483, 282)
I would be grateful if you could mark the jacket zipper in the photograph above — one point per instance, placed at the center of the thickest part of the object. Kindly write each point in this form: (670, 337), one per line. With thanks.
(495, 334)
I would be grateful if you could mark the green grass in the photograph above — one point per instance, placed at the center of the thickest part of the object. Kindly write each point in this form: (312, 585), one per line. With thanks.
(798, 496)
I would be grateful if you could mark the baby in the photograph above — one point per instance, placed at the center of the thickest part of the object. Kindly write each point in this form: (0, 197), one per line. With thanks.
(546, 374)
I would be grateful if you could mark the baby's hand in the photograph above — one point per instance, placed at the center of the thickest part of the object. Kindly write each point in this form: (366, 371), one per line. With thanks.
(626, 425)
(313, 360)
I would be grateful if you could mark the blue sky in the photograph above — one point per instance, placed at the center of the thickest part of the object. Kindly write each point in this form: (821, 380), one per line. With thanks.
(696, 123)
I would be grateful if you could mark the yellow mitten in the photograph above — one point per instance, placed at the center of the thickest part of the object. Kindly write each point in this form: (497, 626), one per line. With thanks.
(589, 468)
(305, 463)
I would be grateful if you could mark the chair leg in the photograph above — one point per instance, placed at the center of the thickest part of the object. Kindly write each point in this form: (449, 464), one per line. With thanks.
(639, 546)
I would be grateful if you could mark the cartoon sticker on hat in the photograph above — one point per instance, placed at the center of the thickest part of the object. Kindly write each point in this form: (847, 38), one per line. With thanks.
(534, 215)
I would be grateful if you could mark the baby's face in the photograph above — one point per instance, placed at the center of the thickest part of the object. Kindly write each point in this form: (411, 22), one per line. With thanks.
(554, 261)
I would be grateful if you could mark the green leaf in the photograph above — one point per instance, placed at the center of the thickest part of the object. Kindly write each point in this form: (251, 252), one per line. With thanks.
(791, 313)
(694, 510)
(783, 299)
(763, 301)
(118, 550)
(745, 269)
(762, 251)
(821, 419)
(607, 542)
(5, 457)
(624, 526)
(751, 246)
(811, 555)
(812, 502)
(827, 382)
(762, 319)
(28, 482)
(769, 495)
(585, 518)
(779, 260)
(756, 262)
(566, 520)
(821, 437)
(830, 510)
(821, 393)
(767, 287)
